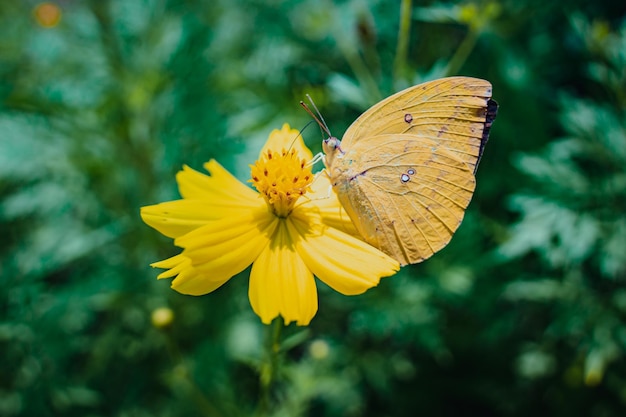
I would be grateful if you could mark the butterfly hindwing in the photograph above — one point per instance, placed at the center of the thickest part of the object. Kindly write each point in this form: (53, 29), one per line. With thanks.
(406, 195)
(455, 112)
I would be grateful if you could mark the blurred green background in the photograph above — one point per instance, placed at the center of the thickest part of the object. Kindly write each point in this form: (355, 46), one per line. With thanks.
(102, 101)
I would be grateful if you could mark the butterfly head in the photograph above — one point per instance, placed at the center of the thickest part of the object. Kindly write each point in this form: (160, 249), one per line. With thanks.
(332, 149)
(331, 145)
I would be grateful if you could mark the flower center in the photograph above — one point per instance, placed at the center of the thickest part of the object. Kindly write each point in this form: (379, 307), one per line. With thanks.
(281, 178)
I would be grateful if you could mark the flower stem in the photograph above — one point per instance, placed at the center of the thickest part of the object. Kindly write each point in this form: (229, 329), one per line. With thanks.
(402, 49)
(269, 369)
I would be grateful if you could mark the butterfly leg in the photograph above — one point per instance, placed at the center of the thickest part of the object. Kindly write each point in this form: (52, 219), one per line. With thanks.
(316, 159)
(330, 187)
(322, 172)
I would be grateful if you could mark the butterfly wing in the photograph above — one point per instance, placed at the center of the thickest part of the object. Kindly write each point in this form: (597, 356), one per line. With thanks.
(404, 170)
(455, 112)
(405, 194)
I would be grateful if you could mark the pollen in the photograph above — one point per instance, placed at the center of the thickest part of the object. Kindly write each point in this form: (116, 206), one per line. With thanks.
(281, 178)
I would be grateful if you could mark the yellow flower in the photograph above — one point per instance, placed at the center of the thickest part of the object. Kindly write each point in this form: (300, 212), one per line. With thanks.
(291, 229)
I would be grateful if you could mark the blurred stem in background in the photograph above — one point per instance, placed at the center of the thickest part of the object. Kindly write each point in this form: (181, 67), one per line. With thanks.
(181, 374)
(462, 52)
(362, 72)
(477, 21)
(400, 68)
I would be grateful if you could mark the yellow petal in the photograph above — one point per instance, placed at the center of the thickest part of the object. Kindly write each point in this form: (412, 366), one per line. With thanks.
(287, 139)
(344, 263)
(189, 281)
(174, 266)
(219, 185)
(176, 218)
(225, 247)
(325, 199)
(193, 282)
(281, 284)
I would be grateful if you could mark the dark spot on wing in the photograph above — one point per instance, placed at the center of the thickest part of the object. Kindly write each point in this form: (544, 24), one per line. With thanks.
(406, 176)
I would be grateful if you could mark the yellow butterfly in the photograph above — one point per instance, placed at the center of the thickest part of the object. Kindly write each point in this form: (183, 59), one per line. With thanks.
(404, 170)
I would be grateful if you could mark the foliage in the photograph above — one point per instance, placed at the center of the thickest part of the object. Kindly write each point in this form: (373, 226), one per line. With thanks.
(573, 220)
(521, 314)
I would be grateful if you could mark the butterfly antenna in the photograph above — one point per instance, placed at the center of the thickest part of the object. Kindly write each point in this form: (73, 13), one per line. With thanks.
(298, 135)
(319, 114)
(320, 120)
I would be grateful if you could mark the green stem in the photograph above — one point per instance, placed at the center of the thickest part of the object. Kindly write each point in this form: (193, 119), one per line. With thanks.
(402, 49)
(463, 51)
(269, 369)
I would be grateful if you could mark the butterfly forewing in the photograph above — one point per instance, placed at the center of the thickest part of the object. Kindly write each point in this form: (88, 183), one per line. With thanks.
(451, 111)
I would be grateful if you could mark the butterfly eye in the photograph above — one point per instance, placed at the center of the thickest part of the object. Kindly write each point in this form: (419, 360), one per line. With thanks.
(332, 143)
